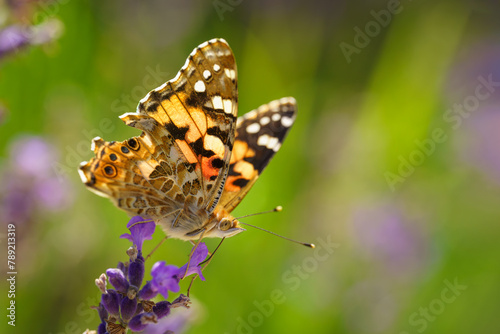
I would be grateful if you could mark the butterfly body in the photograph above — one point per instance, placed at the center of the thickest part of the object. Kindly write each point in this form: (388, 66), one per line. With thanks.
(195, 160)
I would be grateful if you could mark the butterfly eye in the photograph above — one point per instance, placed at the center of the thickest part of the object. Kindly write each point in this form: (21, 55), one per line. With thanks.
(224, 225)
(110, 170)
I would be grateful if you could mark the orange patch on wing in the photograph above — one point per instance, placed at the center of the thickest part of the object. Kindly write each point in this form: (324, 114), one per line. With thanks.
(200, 119)
(241, 151)
(230, 186)
(245, 168)
(180, 116)
(186, 150)
(207, 168)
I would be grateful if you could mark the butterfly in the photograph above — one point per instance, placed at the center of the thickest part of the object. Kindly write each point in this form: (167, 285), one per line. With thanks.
(195, 160)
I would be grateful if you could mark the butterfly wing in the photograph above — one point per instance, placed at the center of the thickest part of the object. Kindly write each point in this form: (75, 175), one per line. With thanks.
(197, 112)
(183, 154)
(130, 174)
(259, 135)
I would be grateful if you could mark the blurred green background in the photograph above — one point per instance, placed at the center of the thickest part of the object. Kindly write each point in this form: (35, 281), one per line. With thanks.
(392, 167)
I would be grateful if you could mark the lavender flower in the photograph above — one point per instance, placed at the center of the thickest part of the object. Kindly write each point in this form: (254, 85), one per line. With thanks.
(385, 235)
(128, 306)
(15, 37)
(140, 229)
(30, 185)
(199, 255)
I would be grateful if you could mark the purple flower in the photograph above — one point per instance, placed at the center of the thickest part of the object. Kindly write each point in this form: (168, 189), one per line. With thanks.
(199, 255)
(140, 229)
(136, 271)
(33, 156)
(162, 309)
(13, 38)
(141, 321)
(111, 302)
(118, 280)
(386, 235)
(30, 184)
(127, 308)
(175, 322)
(130, 306)
(165, 278)
(477, 147)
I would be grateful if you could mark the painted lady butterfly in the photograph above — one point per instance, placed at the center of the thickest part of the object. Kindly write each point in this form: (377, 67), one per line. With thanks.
(195, 160)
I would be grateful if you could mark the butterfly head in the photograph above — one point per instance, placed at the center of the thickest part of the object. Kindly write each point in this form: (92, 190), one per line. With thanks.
(224, 225)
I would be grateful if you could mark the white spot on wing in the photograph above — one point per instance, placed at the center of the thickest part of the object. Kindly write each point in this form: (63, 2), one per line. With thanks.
(253, 128)
(273, 141)
(216, 67)
(286, 121)
(268, 141)
(217, 102)
(250, 114)
(277, 147)
(276, 117)
(231, 74)
(207, 74)
(274, 106)
(228, 106)
(265, 120)
(199, 86)
(263, 140)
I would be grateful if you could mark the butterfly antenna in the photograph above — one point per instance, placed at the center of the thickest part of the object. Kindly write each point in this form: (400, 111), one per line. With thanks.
(282, 237)
(276, 209)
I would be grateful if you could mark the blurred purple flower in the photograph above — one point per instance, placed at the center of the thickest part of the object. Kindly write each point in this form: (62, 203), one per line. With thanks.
(478, 144)
(33, 156)
(13, 38)
(29, 184)
(385, 235)
(176, 322)
(140, 229)
(481, 60)
(477, 137)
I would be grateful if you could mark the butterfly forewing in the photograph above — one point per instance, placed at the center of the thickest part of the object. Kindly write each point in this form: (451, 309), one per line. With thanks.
(259, 135)
(195, 114)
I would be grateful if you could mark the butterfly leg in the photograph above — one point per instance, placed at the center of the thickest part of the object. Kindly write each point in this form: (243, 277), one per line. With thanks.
(157, 246)
(193, 250)
(194, 244)
(166, 237)
(205, 264)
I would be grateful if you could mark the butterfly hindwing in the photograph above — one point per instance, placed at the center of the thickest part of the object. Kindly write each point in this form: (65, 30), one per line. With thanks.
(259, 135)
(130, 175)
